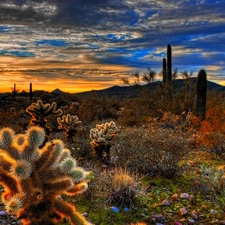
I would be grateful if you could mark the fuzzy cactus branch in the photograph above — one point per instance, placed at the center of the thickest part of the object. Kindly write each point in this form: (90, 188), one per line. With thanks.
(101, 138)
(70, 124)
(32, 184)
(39, 113)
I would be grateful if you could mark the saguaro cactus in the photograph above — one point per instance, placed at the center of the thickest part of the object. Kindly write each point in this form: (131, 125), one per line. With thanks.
(33, 178)
(201, 90)
(31, 92)
(169, 65)
(164, 70)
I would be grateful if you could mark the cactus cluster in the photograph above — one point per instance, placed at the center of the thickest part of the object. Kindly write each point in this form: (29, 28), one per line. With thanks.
(39, 113)
(102, 136)
(70, 124)
(34, 178)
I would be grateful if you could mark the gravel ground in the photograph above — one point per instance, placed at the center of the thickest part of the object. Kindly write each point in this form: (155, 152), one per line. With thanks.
(6, 219)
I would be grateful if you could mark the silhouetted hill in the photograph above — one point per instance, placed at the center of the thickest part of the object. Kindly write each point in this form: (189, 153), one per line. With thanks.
(136, 90)
(122, 91)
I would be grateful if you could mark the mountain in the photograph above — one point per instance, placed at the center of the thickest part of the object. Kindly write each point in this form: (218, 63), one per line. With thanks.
(57, 91)
(136, 90)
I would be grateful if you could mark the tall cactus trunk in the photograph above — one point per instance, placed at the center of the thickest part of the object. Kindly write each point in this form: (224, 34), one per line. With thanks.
(164, 70)
(14, 90)
(31, 92)
(187, 90)
(201, 90)
(169, 65)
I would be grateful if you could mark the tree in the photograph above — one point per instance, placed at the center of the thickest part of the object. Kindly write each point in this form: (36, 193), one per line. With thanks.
(137, 76)
(186, 75)
(175, 73)
(149, 76)
(125, 80)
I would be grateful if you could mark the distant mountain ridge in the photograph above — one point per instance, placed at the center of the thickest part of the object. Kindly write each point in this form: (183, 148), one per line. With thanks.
(135, 90)
(124, 91)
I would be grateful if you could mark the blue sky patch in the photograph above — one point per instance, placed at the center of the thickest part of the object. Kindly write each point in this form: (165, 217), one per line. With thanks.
(17, 53)
(4, 29)
(56, 43)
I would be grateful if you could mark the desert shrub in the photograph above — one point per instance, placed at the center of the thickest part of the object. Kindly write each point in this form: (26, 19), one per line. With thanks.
(118, 187)
(96, 107)
(154, 149)
(211, 180)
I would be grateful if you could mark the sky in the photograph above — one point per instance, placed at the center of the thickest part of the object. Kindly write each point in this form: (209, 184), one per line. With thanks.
(81, 45)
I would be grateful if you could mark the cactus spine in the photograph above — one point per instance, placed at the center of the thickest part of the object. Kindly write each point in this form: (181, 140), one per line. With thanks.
(169, 65)
(201, 90)
(164, 70)
(32, 185)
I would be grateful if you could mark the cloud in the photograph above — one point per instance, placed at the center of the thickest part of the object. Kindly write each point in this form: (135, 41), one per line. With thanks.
(107, 35)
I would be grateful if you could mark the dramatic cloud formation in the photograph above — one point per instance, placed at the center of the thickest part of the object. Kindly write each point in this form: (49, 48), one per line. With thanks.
(78, 45)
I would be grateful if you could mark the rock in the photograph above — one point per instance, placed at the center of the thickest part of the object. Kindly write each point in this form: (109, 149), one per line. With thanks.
(165, 202)
(177, 222)
(184, 195)
(194, 215)
(158, 218)
(183, 211)
(212, 211)
(85, 214)
(191, 221)
(3, 213)
(175, 196)
(191, 197)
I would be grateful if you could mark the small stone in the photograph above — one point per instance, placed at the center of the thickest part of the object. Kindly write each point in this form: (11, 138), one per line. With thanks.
(158, 217)
(191, 197)
(184, 195)
(194, 215)
(191, 221)
(212, 211)
(3, 213)
(175, 196)
(183, 211)
(165, 202)
(85, 214)
(177, 222)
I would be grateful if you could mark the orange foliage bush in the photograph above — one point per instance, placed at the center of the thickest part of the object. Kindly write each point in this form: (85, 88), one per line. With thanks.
(212, 130)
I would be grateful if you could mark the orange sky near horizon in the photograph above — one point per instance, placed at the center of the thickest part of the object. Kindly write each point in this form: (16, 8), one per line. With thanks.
(67, 76)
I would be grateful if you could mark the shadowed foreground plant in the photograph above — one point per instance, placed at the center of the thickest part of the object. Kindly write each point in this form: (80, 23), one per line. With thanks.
(34, 178)
(39, 113)
(70, 124)
(102, 136)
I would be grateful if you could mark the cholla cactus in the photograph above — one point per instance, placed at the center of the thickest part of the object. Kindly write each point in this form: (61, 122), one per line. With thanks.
(40, 111)
(33, 178)
(102, 136)
(70, 124)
